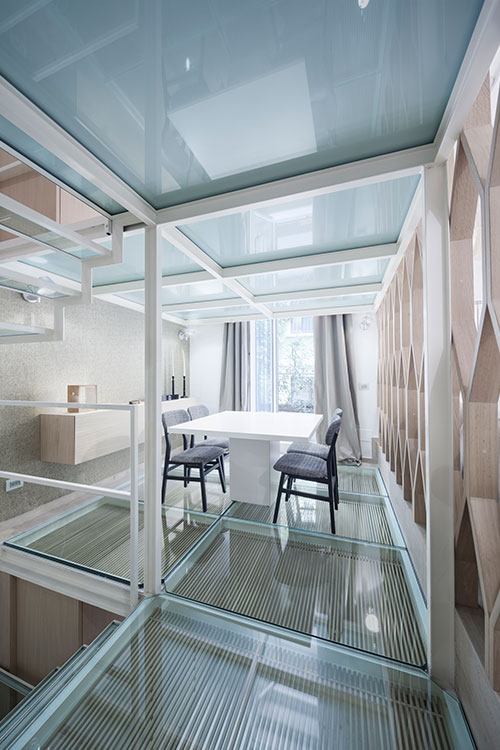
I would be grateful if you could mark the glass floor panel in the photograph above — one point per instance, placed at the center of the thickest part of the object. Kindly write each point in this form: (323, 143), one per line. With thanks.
(358, 517)
(362, 480)
(359, 595)
(175, 675)
(96, 537)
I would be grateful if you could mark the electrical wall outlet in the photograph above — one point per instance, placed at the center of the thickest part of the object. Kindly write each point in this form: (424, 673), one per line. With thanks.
(364, 386)
(13, 484)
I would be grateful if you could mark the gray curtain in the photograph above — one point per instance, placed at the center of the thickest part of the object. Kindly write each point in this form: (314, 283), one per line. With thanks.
(235, 375)
(334, 382)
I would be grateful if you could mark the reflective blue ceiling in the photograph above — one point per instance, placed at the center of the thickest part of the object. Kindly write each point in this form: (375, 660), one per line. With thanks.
(189, 99)
(361, 216)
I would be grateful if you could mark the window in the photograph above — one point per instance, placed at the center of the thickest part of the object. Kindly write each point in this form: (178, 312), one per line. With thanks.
(283, 376)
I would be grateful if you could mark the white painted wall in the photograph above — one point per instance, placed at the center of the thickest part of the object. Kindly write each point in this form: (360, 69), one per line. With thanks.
(205, 352)
(365, 346)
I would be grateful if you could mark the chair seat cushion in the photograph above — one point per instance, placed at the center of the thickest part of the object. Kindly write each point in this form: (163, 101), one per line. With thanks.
(311, 449)
(302, 465)
(219, 442)
(200, 454)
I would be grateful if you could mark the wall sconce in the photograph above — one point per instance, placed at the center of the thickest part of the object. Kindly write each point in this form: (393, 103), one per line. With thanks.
(185, 334)
(366, 322)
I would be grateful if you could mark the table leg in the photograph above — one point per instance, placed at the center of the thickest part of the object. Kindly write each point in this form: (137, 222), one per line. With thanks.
(253, 479)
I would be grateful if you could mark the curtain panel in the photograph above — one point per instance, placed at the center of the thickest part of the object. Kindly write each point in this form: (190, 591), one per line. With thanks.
(235, 375)
(334, 383)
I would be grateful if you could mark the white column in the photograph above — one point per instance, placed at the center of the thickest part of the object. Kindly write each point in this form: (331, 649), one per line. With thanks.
(438, 428)
(152, 435)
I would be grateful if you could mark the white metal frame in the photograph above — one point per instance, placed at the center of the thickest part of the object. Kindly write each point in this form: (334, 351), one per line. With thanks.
(19, 110)
(132, 495)
(440, 541)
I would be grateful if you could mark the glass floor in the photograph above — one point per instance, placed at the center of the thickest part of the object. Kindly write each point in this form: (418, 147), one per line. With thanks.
(174, 675)
(96, 537)
(360, 595)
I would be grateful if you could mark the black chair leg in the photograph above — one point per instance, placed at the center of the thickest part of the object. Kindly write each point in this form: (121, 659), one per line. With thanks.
(185, 476)
(331, 504)
(278, 498)
(222, 475)
(336, 491)
(164, 482)
(203, 488)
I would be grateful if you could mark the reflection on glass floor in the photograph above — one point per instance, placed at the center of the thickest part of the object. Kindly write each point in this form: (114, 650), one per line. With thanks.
(356, 594)
(362, 480)
(190, 497)
(358, 517)
(174, 675)
(96, 537)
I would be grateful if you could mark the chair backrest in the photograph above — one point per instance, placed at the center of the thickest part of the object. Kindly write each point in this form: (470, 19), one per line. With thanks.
(332, 434)
(171, 418)
(198, 411)
(333, 430)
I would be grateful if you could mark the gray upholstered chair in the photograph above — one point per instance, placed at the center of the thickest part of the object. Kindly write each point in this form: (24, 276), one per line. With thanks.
(319, 451)
(203, 457)
(198, 411)
(310, 468)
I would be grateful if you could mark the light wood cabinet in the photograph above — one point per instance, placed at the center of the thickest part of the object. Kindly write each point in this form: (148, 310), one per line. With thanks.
(76, 438)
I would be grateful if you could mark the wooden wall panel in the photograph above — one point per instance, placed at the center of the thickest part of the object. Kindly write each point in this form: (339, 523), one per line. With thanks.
(475, 308)
(40, 629)
(48, 630)
(402, 428)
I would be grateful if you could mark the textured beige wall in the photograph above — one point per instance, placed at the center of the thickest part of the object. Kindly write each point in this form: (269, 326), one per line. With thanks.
(104, 344)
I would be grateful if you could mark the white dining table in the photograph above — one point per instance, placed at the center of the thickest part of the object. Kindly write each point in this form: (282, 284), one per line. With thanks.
(254, 446)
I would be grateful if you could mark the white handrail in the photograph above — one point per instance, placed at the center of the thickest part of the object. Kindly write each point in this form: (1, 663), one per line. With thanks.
(132, 496)
(68, 405)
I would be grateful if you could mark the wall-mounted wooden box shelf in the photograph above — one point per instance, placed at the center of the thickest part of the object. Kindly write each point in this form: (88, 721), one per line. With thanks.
(76, 438)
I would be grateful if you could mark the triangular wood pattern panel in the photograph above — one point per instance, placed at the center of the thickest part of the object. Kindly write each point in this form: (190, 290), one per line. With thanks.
(475, 196)
(400, 322)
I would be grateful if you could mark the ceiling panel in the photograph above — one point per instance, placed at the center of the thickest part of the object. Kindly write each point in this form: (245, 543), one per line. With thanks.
(132, 268)
(218, 312)
(319, 277)
(359, 217)
(201, 291)
(185, 100)
(348, 300)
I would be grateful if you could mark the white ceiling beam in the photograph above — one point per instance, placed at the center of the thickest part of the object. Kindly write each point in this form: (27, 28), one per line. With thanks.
(285, 314)
(189, 248)
(25, 115)
(480, 52)
(138, 284)
(343, 177)
(206, 304)
(264, 299)
(333, 258)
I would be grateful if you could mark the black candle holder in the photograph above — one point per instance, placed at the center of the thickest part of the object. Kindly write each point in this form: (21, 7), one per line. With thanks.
(183, 386)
